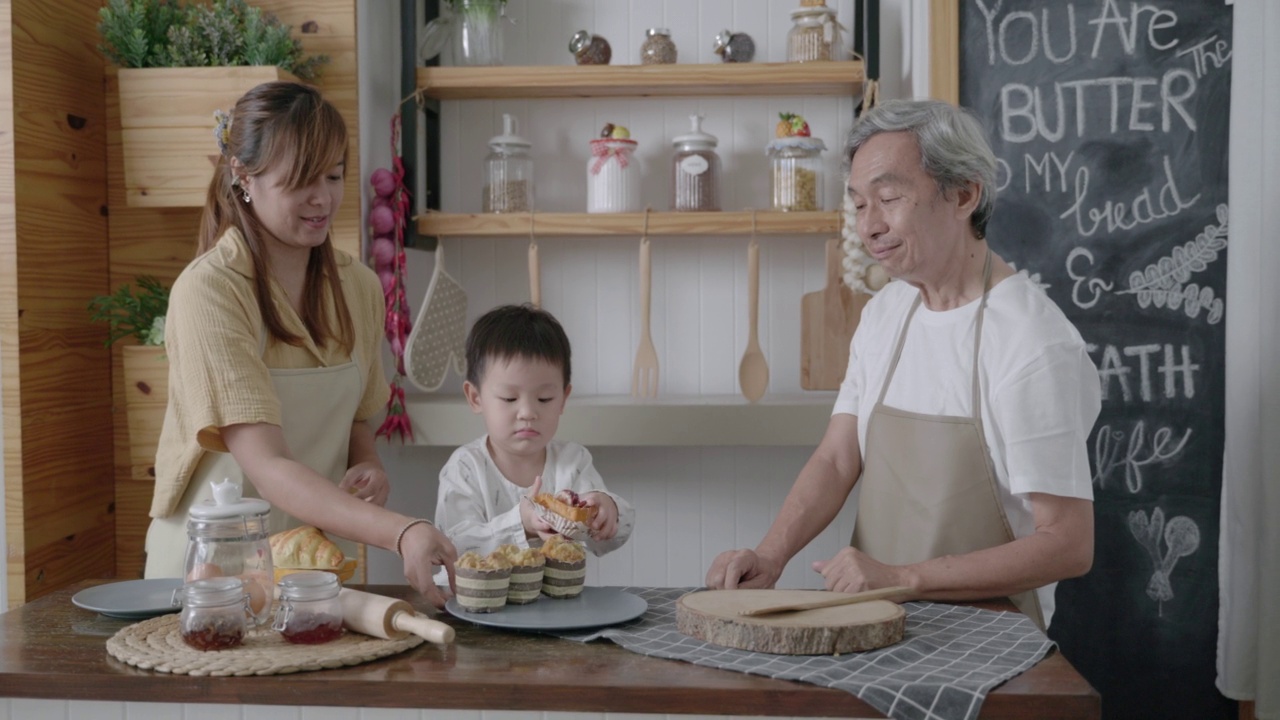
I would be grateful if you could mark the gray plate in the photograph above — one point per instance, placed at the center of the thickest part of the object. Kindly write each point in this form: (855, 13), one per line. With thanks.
(131, 599)
(595, 607)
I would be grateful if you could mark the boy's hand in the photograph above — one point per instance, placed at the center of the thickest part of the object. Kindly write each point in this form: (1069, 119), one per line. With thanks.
(367, 481)
(605, 524)
(534, 525)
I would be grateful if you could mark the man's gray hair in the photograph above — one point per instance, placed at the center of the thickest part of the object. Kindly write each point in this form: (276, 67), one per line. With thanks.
(953, 147)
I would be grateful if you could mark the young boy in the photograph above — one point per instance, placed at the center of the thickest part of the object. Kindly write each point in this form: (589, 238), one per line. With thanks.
(518, 380)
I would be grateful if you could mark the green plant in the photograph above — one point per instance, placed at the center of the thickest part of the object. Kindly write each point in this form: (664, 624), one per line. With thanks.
(141, 315)
(164, 33)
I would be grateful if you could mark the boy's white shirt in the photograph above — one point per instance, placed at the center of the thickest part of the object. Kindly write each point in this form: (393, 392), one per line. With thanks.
(479, 508)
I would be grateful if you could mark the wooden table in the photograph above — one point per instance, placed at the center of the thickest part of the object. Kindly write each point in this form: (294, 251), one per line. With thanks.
(51, 649)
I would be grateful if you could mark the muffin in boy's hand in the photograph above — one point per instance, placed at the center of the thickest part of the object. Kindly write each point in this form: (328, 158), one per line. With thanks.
(527, 566)
(566, 512)
(566, 569)
(482, 581)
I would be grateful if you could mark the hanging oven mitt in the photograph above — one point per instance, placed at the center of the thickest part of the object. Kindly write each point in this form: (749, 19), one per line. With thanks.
(439, 336)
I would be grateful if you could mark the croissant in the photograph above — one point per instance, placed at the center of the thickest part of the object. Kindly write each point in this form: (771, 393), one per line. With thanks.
(305, 547)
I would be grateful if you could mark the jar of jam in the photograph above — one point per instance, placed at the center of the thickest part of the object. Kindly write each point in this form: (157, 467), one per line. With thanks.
(657, 48)
(227, 536)
(734, 47)
(310, 612)
(214, 613)
(695, 170)
(590, 49)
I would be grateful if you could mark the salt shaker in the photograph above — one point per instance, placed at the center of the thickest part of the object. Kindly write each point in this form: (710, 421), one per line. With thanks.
(658, 48)
(590, 49)
(735, 47)
(310, 612)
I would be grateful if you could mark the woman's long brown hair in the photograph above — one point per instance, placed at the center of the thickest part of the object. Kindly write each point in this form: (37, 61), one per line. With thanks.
(282, 124)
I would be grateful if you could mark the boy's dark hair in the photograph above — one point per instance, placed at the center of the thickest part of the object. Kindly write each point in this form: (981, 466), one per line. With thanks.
(516, 331)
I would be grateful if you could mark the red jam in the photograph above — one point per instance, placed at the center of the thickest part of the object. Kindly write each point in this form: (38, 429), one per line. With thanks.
(213, 637)
(312, 629)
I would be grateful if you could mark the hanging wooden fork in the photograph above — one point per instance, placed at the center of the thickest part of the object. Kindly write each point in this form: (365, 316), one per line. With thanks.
(644, 373)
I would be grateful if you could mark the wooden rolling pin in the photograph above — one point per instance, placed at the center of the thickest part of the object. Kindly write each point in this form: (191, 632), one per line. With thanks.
(389, 618)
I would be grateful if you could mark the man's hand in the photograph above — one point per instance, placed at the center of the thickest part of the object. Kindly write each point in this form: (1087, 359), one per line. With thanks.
(424, 548)
(605, 524)
(852, 570)
(734, 569)
(367, 481)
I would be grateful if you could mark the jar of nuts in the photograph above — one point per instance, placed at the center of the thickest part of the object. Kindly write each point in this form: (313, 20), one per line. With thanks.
(695, 170)
(657, 48)
(508, 184)
(590, 49)
(795, 173)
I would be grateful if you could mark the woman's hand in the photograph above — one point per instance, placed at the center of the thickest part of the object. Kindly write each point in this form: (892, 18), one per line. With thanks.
(425, 548)
(367, 481)
(605, 524)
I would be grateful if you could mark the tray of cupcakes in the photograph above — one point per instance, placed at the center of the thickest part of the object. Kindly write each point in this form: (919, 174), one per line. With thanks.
(540, 589)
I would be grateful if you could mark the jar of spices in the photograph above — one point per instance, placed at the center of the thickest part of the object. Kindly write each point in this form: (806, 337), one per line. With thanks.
(734, 47)
(814, 35)
(214, 612)
(590, 49)
(508, 185)
(613, 172)
(796, 173)
(310, 612)
(657, 48)
(227, 536)
(695, 170)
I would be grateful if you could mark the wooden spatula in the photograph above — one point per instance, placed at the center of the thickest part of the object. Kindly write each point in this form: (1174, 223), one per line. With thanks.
(837, 599)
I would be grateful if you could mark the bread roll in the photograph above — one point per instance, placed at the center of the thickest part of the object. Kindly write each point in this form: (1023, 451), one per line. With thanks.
(305, 547)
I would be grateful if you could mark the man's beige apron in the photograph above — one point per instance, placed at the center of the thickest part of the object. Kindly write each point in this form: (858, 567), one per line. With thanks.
(928, 485)
(317, 406)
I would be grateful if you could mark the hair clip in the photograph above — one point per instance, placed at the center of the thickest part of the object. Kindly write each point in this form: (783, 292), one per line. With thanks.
(222, 129)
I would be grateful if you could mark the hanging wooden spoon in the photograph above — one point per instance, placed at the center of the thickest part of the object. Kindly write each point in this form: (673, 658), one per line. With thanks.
(753, 372)
(535, 276)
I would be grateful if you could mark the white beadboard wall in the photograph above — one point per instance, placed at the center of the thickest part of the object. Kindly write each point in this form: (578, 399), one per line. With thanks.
(691, 503)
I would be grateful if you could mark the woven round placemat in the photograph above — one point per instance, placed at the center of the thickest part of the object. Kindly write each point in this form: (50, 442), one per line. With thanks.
(156, 644)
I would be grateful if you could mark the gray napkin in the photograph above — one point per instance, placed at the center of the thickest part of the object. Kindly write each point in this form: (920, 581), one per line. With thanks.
(950, 658)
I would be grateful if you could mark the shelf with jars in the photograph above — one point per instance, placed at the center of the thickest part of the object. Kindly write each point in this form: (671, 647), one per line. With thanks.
(737, 222)
(843, 78)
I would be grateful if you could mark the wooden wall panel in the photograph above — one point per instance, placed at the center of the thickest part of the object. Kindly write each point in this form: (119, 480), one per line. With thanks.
(59, 463)
(10, 376)
(161, 242)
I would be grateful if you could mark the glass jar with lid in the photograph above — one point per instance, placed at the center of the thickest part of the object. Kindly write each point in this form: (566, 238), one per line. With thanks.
(613, 172)
(508, 169)
(227, 536)
(814, 35)
(590, 49)
(214, 612)
(695, 170)
(310, 612)
(796, 173)
(658, 48)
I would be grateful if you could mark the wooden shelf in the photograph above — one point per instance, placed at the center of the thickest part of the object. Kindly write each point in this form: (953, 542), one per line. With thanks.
(839, 78)
(737, 222)
(608, 420)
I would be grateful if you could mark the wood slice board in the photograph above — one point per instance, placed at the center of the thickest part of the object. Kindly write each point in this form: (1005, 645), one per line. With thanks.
(712, 616)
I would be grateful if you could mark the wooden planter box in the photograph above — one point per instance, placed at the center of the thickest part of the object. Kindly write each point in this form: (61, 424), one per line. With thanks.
(166, 123)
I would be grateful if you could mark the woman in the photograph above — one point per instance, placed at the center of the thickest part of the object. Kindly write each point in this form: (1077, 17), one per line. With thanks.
(273, 340)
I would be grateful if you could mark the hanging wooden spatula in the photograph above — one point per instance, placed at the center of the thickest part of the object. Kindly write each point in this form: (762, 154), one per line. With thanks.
(837, 599)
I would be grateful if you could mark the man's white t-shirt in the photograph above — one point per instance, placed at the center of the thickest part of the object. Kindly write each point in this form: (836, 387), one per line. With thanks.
(1040, 392)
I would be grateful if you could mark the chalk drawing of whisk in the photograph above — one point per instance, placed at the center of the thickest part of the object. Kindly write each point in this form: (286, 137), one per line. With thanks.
(1181, 538)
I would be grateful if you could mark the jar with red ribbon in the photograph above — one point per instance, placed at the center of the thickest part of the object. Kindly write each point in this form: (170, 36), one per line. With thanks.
(613, 172)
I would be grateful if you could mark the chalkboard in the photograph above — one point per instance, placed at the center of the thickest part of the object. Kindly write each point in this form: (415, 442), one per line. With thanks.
(1109, 120)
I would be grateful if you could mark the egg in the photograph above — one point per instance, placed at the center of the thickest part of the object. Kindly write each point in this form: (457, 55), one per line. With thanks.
(876, 277)
(200, 571)
(257, 595)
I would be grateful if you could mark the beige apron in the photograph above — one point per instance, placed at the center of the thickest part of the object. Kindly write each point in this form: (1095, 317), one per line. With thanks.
(317, 407)
(928, 486)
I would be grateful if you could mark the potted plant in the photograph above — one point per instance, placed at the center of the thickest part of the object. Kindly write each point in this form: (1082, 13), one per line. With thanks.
(178, 64)
(146, 371)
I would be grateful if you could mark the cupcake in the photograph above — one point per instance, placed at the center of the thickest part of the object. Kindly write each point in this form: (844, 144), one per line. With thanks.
(526, 573)
(566, 569)
(482, 581)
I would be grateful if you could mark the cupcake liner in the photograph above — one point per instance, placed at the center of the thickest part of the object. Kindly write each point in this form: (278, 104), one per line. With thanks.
(482, 591)
(526, 584)
(562, 580)
(563, 525)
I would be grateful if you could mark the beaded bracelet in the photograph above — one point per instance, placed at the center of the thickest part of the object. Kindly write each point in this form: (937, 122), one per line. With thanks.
(405, 529)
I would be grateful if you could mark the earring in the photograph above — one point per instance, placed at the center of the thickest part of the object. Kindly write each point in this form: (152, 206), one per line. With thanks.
(246, 196)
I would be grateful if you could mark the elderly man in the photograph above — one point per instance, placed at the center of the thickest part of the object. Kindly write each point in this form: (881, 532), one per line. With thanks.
(968, 399)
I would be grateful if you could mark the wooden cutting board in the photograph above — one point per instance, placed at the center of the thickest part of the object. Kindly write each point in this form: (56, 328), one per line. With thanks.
(712, 616)
(828, 318)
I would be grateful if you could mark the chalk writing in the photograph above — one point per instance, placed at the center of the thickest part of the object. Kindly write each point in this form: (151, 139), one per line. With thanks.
(1175, 364)
(1093, 285)
(1165, 283)
(1140, 208)
(1111, 453)
(1181, 538)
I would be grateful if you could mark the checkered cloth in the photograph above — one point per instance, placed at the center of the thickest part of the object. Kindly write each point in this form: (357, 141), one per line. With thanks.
(949, 659)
